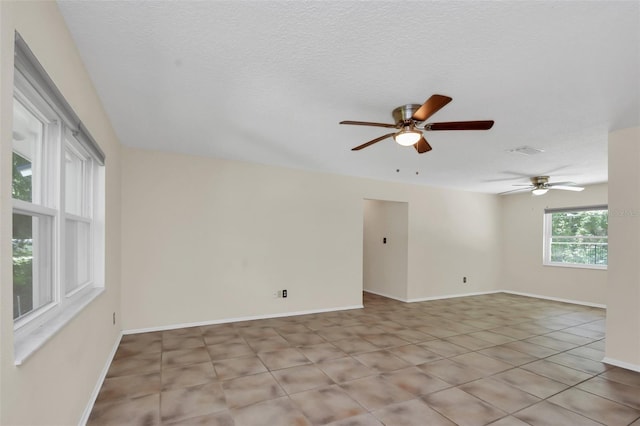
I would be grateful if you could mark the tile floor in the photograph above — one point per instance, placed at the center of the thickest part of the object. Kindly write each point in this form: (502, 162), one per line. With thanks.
(494, 359)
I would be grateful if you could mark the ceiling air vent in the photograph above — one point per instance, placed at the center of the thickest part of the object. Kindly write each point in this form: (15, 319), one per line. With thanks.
(526, 150)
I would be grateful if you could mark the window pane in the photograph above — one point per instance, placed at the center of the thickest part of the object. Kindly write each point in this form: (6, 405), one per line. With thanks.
(31, 241)
(77, 254)
(27, 144)
(580, 237)
(74, 183)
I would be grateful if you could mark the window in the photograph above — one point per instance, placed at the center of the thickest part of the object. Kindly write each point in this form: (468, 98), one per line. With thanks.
(576, 237)
(58, 208)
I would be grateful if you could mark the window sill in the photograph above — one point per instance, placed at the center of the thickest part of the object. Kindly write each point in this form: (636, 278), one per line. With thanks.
(27, 343)
(577, 266)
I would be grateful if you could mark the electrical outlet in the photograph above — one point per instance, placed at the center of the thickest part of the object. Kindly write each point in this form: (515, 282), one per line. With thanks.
(284, 293)
(464, 280)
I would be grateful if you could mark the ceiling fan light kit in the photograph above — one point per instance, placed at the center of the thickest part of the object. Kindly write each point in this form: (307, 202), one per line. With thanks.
(539, 191)
(408, 117)
(407, 137)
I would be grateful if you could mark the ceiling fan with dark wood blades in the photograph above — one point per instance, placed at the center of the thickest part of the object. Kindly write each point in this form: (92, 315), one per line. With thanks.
(410, 124)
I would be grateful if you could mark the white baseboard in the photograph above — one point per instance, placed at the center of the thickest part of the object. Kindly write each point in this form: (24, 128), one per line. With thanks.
(451, 296)
(480, 293)
(238, 319)
(96, 390)
(388, 296)
(621, 364)
(555, 299)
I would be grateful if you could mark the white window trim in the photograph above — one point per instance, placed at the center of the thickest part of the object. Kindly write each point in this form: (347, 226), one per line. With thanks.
(35, 90)
(546, 240)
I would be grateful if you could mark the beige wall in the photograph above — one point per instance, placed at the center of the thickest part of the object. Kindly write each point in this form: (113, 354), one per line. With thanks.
(522, 230)
(623, 298)
(207, 239)
(55, 384)
(385, 264)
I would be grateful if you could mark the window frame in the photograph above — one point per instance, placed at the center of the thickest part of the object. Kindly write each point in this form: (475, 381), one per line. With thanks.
(547, 237)
(62, 131)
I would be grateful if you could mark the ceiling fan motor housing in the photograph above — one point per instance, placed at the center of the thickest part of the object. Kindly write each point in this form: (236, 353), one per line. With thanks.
(540, 181)
(403, 114)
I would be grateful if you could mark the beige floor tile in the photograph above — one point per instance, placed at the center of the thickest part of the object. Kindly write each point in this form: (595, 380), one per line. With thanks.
(578, 363)
(481, 362)
(531, 349)
(181, 342)
(229, 350)
(182, 332)
(283, 358)
(182, 357)
(322, 352)
(228, 337)
(415, 381)
(133, 386)
(141, 363)
(500, 395)
(249, 390)
(187, 375)
(384, 340)
(280, 411)
(355, 345)
(303, 339)
(588, 352)
(508, 355)
(326, 405)
(345, 369)
(508, 421)
(413, 336)
(613, 390)
(492, 337)
(361, 420)
(144, 410)
(268, 344)
(414, 354)
(183, 403)
(595, 407)
(382, 361)
(545, 414)
(551, 343)
(451, 372)
(301, 378)
(469, 342)
(534, 384)
(557, 372)
(145, 345)
(221, 418)
(444, 348)
(236, 367)
(462, 408)
(403, 356)
(411, 413)
(374, 392)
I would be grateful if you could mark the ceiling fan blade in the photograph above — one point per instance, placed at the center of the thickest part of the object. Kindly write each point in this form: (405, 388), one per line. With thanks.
(367, 123)
(422, 146)
(566, 187)
(461, 125)
(430, 107)
(515, 190)
(371, 142)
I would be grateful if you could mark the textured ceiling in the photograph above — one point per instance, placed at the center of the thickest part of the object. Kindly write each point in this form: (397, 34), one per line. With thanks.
(268, 82)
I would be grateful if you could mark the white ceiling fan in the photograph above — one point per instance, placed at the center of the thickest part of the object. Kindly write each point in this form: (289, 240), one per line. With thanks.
(540, 185)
